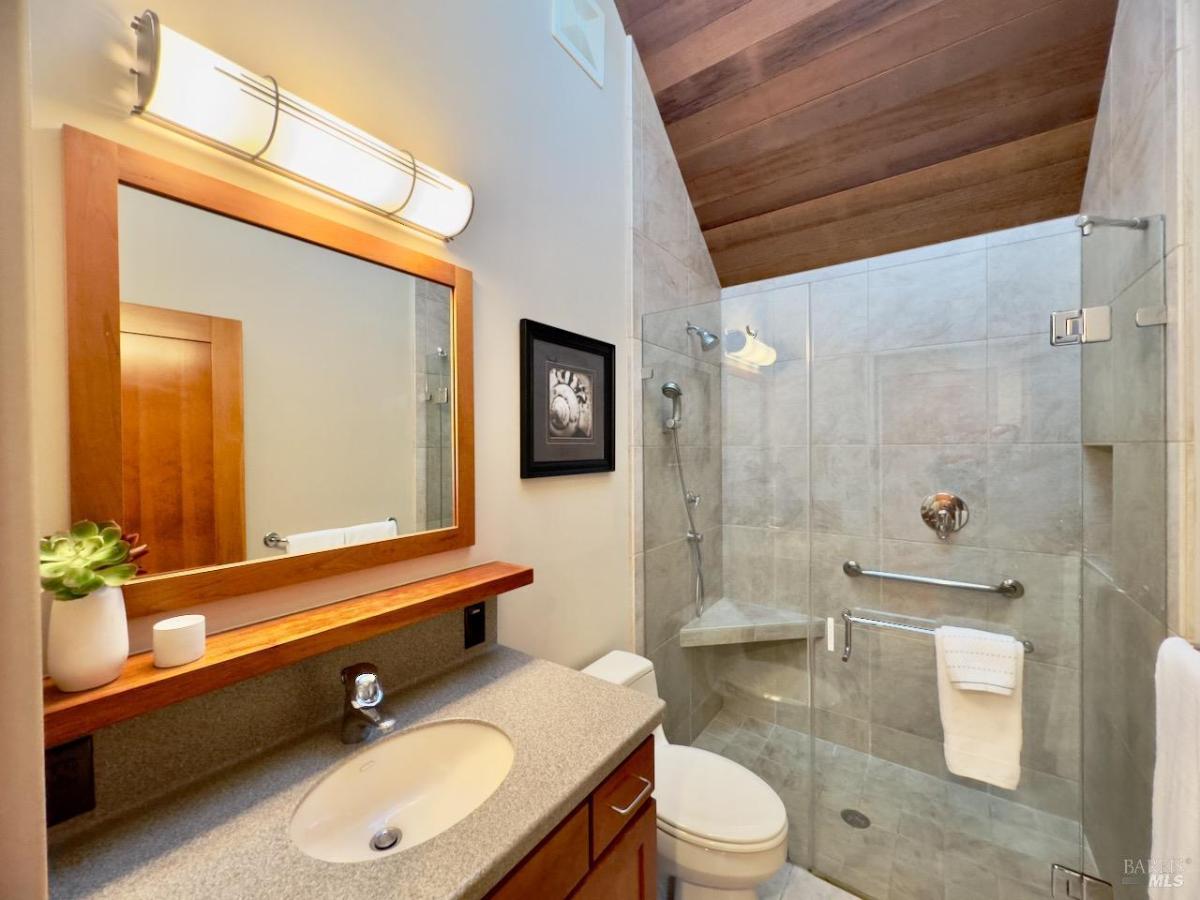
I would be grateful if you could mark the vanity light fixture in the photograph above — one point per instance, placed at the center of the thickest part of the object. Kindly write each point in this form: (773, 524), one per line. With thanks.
(188, 88)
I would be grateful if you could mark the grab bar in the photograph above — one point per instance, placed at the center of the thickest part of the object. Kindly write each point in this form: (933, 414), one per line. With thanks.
(851, 620)
(1009, 587)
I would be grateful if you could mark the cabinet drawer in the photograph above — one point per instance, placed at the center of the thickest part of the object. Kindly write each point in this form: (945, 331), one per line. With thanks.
(621, 796)
(555, 867)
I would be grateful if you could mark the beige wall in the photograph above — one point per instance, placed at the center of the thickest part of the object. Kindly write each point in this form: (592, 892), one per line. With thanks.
(482, 91)
(23, 837)
(327, 345)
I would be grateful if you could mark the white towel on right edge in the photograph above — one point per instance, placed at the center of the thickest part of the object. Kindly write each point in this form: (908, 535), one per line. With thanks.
(982, 730)
(1175, 846)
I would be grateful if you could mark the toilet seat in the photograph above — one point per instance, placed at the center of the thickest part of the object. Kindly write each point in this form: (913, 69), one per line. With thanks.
(710, 801)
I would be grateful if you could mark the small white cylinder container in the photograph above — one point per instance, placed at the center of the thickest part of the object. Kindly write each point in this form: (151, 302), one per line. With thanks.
(178, 640)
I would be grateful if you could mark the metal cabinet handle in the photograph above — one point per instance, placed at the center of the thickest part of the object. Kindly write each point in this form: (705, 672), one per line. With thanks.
(625, 810)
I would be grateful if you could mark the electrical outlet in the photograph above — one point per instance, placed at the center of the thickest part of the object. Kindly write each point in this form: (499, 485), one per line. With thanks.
(474, 625)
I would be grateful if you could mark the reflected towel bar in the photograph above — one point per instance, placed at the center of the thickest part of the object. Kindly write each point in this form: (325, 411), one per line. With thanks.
(850, 620)
(276, 541)
(1009, 587)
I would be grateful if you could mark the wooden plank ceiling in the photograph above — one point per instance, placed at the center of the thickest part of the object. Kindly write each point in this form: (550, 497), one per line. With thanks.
(813, 132)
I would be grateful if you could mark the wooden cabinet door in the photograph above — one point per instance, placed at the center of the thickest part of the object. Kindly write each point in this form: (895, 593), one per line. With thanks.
(626, 871)
(182, 437)
(554, 867)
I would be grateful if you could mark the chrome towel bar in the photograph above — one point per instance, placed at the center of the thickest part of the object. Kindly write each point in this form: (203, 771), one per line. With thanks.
(1009, 587)
(850, 620)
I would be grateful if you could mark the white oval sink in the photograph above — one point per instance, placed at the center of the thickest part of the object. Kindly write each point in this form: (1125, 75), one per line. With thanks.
(401, 791)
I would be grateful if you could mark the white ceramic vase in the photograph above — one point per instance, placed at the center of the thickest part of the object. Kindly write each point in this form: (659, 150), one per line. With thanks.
(88, 641)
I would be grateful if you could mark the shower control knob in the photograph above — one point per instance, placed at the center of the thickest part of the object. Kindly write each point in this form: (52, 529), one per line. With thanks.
(945, 513)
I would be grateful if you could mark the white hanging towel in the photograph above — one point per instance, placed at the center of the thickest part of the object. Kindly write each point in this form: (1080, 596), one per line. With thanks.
(1175, 845)
(372, 531)
(981, 660)
(982, 727)
(308, 541)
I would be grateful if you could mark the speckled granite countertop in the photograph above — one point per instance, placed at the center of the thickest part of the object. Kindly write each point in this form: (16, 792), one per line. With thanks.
(228, 837)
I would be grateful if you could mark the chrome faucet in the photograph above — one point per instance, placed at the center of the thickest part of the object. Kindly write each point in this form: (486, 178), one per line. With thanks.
(361, 717)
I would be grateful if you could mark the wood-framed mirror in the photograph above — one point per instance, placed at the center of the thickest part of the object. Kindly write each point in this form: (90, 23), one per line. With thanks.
(268, 396)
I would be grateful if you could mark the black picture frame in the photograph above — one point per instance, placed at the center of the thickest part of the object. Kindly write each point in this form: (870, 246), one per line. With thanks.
(556, 439)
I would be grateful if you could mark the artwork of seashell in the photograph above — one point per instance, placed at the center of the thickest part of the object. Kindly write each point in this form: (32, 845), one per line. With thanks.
(570, 402)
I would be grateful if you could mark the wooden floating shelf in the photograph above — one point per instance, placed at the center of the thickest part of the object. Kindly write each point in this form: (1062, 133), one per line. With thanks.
(253, 650)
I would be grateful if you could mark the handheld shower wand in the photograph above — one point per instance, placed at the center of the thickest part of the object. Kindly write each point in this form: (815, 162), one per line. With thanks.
(691, 500)
(675, 393)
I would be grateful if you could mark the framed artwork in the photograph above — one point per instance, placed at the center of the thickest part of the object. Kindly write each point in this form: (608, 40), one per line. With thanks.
(568, 402)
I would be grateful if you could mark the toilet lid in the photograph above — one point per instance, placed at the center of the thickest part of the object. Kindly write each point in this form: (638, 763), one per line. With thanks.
(712, 797)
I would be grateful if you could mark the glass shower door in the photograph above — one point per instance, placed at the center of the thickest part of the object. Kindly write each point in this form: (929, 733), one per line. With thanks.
(932, 372)
(1126, 545)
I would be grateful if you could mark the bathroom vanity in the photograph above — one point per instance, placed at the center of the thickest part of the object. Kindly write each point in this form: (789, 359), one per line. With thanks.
(605, 848)
(573, 814)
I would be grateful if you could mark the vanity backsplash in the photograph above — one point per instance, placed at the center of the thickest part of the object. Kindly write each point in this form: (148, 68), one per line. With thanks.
(139, 761)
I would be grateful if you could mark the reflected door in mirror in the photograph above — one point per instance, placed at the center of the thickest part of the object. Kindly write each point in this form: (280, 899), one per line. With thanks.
(182, 436)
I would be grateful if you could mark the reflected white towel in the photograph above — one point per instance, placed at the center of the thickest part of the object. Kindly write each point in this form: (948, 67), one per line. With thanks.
(309, 541)
(982, 730)
(372, 531)
(981, 660)
(1175, 848)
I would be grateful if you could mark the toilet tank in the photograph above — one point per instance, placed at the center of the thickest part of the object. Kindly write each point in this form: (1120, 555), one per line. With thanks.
(629, 669)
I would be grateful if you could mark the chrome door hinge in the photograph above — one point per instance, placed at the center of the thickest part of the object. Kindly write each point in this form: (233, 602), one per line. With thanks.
(1090, 325)
(1068, 884)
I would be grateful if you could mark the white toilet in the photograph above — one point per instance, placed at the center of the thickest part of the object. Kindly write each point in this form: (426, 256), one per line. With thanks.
(722, 830)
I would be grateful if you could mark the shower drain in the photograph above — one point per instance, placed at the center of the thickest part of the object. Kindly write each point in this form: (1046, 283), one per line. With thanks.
(385, 839)
(855, 819)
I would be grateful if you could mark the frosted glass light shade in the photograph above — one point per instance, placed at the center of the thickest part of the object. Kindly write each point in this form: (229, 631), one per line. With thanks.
(187, 87)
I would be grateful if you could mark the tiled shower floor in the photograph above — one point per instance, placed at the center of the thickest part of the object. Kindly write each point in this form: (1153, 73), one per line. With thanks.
(929, 839)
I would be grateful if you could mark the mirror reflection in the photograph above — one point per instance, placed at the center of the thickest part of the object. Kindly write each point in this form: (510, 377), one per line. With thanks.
(276, 397)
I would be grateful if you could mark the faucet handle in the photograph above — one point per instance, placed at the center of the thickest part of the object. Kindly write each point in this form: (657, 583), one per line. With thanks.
(367, 691)
(362, 685)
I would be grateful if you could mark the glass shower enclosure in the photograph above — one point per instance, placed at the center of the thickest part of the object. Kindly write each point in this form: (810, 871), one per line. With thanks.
(875, 395)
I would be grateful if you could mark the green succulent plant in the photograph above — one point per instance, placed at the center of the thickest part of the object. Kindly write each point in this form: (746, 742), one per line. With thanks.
(90, 556)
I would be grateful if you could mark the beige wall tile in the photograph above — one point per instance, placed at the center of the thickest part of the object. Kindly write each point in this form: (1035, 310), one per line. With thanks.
(1027, 280)
(937, 301)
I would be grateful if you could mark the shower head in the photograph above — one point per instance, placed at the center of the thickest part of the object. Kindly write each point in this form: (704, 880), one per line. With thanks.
(672, 390)
(708, 340)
